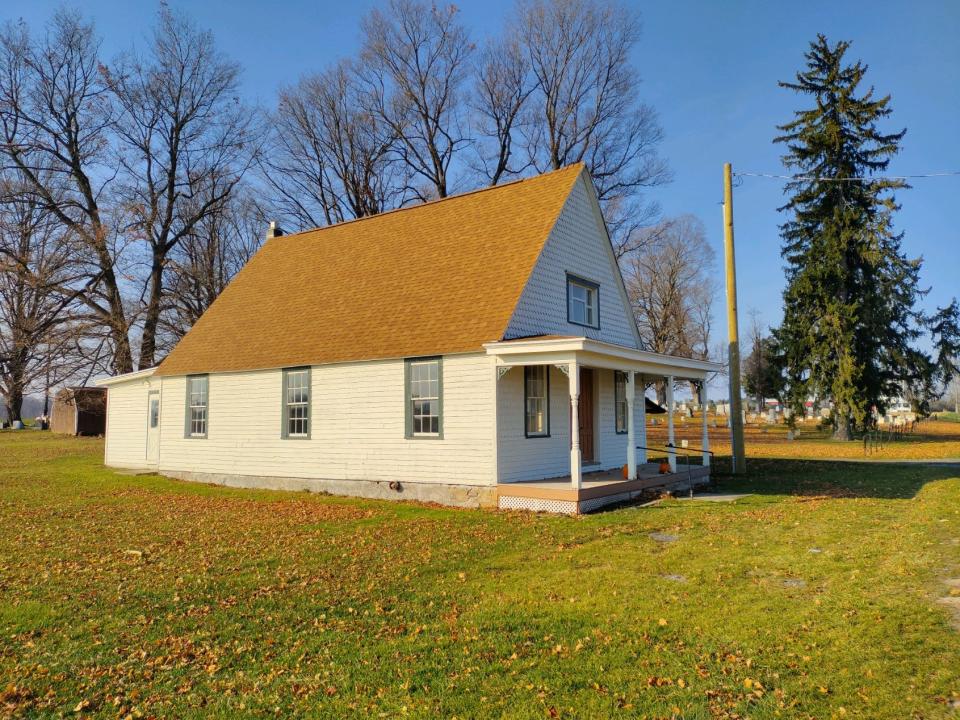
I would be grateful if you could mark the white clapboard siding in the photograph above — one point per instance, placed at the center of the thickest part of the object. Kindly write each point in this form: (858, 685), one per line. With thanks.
(127, 416)
(578, 245)
(357, 426)
(523, 458)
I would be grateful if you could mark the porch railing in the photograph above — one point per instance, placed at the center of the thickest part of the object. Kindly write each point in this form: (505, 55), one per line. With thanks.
(688, 451)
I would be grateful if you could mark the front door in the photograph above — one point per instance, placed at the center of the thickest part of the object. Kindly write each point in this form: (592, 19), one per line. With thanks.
(585, 412)
(153, 426)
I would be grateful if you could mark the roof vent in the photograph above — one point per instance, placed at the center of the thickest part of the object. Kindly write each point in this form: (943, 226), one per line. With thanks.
(274, 230)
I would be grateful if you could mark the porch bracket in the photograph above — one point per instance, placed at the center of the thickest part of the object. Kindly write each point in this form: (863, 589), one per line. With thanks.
(503, 370)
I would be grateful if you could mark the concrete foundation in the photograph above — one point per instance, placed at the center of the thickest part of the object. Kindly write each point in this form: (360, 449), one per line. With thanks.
(441, 493)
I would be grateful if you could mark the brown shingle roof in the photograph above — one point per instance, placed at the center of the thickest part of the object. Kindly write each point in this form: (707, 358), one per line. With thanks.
(437, 278)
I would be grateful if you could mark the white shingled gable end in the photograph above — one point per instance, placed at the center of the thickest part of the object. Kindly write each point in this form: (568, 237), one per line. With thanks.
(577, 245)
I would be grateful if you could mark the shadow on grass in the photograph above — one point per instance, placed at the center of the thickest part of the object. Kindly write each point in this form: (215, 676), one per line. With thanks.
(830, 478)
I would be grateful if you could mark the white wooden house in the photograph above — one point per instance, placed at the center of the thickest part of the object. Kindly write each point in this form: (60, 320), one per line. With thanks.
(440, 352)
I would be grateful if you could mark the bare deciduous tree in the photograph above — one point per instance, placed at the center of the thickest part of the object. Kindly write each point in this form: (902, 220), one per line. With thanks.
(215, 249)
(56, 117)
(585, 107)
(37, 272)
(414, 61)
(671, 288)
(503, 84)
(185, 140)
(331, 159)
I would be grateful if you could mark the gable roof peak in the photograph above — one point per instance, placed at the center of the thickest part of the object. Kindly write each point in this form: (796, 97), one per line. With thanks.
(577, 166)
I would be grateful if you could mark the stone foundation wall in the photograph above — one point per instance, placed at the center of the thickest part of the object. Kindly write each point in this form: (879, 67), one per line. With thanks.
(442, 493)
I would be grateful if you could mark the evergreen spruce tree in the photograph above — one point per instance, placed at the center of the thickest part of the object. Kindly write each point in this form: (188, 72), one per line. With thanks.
(849, 304)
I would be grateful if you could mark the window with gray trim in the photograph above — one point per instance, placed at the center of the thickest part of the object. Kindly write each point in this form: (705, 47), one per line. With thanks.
(424, 397)
(620, 400)
(583, 302)
(197, 406)
(536, 400)
(296, 403)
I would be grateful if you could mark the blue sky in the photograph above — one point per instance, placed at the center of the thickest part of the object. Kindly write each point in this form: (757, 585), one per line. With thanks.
(711, 70)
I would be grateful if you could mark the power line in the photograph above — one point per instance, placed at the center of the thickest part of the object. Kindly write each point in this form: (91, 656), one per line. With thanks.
(950, 173)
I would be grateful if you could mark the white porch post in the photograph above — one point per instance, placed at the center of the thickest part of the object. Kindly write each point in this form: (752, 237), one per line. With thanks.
(642, 458)
(671, 440)
(705, 441)
(631, 441)
(575, 457)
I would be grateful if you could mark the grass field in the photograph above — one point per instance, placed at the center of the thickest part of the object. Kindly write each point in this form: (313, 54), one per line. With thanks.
(815, 597)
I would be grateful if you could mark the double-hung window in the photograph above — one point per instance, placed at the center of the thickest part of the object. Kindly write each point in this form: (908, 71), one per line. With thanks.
(536, 396)
(583, 306)
(424, 398)
(296, 403)
(620, 400)
(197, 406)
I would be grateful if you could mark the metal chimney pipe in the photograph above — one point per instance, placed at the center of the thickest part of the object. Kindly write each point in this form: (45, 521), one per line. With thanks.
(274, 230)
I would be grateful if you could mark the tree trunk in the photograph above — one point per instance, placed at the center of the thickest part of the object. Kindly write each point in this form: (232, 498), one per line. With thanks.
(841, 426)
(14, 404)
(13, 397)
(119, 331)
(148, 345)
(46, 392)
(122, 354)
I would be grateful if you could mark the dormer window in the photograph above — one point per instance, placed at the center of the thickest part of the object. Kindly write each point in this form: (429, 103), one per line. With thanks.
(583, 306)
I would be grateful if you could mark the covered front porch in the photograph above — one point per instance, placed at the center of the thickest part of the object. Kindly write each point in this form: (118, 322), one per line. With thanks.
(600, 421)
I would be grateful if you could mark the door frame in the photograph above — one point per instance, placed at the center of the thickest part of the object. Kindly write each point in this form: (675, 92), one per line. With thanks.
(594, 415)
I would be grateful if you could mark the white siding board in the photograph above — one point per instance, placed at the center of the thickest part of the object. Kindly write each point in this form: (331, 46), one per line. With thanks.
(523, 458)
(126, 443)
(578, 244)
(357, 432)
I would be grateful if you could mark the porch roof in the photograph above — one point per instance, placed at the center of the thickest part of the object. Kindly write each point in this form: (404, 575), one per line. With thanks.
(559, 349)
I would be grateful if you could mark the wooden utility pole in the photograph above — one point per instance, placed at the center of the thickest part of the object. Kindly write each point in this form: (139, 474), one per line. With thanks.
(733, 333)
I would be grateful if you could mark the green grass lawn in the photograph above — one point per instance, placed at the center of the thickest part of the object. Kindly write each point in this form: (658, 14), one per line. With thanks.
(816, 597)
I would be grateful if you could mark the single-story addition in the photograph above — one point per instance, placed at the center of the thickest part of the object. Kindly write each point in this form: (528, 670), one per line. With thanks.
(441, 352)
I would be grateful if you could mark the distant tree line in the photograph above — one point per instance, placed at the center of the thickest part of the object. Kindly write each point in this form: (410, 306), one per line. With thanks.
(133, 188)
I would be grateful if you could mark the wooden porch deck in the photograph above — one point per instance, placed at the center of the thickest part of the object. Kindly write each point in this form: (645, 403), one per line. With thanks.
(598, 488)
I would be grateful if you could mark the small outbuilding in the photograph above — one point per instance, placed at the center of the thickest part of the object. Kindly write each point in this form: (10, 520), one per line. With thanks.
(80, 411)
